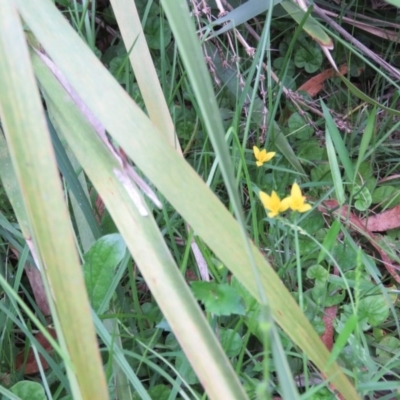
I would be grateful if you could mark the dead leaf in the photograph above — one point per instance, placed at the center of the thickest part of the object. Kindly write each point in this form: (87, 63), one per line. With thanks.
(5, 379)
(370, 27)
(314, 85)
(35, 279)
(31, 366)
(389, 219)
(355, 223)
(329, 318)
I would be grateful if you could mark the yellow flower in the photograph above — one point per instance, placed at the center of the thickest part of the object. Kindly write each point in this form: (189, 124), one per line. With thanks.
(273, 203)
(297, 200)
(262, 156)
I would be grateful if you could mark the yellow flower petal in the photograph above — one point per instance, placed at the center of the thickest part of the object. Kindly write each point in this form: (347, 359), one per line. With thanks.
(273, 203)
(305, 207)
(265, 199)
(296, 191)
(297, 200)
(269, 156)
(285, 203)
(262, 156)
(256, 152)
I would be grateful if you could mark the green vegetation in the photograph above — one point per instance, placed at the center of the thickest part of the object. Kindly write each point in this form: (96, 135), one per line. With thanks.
(197, 203)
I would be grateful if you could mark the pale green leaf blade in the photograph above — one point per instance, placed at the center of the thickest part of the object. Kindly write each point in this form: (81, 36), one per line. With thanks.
(9, 181)
(335, 170)
(361, 95)
(394, 2)
(343, 337)
(241, 14)
(343, 153)
(34, 163)
(142, 64)
(366, 139)
(329, 240)
(74, 185)
(311, 26)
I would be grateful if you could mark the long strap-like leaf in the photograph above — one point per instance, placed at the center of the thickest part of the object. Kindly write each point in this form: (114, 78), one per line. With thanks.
(36, 170)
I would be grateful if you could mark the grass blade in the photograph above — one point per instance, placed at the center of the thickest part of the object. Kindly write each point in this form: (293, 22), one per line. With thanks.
(142, 64)
(365, 140)
(335, 170)
(341, 149)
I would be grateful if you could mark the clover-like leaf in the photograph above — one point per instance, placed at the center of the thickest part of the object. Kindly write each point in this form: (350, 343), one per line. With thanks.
(328, 296)
(362, 196)
(26, 390)
(319, 273)
(231, 342)
(311, 150)
(388, 347)
(334, 295)
(344, 255)
(309, 58)
(289, 69)
(386, 196)
(374, 309)
(299, 128)
(219, 299)
(154, 34)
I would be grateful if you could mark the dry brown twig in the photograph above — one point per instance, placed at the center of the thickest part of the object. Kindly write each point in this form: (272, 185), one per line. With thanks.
(356, 43)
